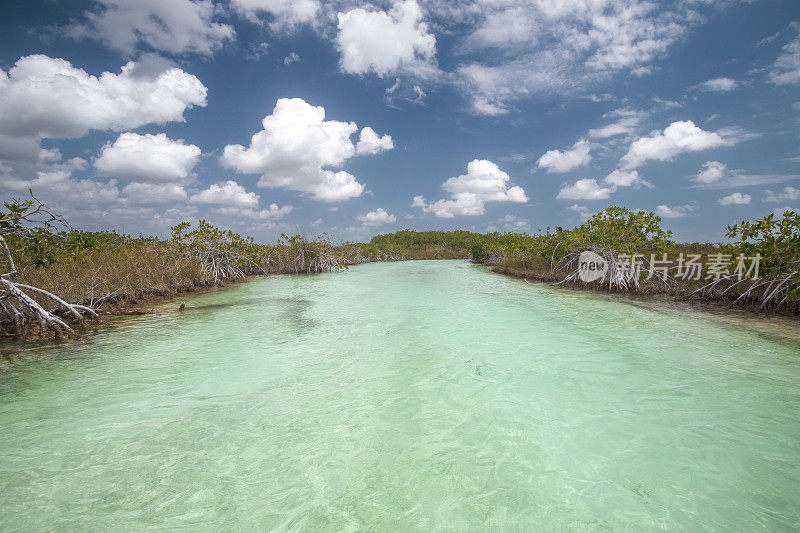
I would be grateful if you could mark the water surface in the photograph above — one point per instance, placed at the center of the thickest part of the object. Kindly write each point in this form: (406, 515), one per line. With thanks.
(406, 396)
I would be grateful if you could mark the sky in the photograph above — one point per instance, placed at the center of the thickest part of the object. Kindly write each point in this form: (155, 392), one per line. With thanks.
(357, 118)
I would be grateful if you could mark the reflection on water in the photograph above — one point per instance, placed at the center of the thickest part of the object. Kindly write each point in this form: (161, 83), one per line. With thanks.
(406, 396)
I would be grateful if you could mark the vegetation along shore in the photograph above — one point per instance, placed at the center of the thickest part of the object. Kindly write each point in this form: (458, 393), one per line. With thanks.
(55, 278)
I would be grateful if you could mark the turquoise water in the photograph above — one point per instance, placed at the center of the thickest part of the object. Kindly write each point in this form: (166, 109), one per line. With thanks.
(405, 396)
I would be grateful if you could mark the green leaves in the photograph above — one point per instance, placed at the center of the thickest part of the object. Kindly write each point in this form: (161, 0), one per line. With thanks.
(777, 240)
(37, 234)
(622, 230)
(616, 228)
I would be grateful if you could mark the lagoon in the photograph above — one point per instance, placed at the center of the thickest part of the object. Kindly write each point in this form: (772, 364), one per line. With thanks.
(406, 396)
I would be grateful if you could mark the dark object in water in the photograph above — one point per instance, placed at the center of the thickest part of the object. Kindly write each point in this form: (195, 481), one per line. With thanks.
(182, 307)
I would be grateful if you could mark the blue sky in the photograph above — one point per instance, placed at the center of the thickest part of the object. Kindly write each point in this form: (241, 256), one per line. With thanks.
(359, 118)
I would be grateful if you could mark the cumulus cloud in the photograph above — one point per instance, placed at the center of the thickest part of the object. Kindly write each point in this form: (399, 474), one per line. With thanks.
(621, 178)
(590, 189)
(175, 26)
(786, 69)
(677, 211)
(147, 158)
(18, 148)
(719, 85)
(385, 43)
(789, 194)
(677, 138)
(370, 142)
(295, 150)
(585, 189)
(483, 182)
(736, 198)
(379, 217)
(285, 13)
(43, 97)
(232, 199)
(711, 172)
(557, 161)
(57, 184)
(228, 194)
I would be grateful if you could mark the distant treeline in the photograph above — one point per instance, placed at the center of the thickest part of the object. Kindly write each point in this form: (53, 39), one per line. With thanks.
(54, 263)
(758, 268)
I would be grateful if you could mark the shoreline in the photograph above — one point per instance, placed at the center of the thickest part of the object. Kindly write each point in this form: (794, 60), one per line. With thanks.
(719, 309)
(125, 305)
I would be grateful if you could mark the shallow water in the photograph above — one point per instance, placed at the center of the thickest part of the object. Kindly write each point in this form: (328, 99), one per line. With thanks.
(406, 396)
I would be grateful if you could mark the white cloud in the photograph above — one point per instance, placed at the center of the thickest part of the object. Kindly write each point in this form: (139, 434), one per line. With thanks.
(736, 198)
(582, 211)
(153, 194)
(147, 158)
(57, 184)
(483, 182)
(789, 194)
(666, 104)
(711, 172)
(628, 121)
(385, 43)
(510, 223)
(735, 179)
(231, 199)
(485, 178)
(677, 138)
(621, 178)
(378, 217)
(786, 69)
(44, 97)
(492, 87)
(590, 189)
(291, 58)
(463, 204)
(585, 189)
(173, 26)
(273, 212)
(285, 13)
(19, 148)
(558, 161)
(228, 194)
(295, 150)
(719, 85)
(678, 211)
(370, 142)
(549, 48)
(257, 51)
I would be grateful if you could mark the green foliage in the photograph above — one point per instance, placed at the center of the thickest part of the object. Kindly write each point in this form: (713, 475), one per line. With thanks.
(206, 234)
(621, 230)
(617, 228)
(38, 235)
(777, 241)
(418, 240)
